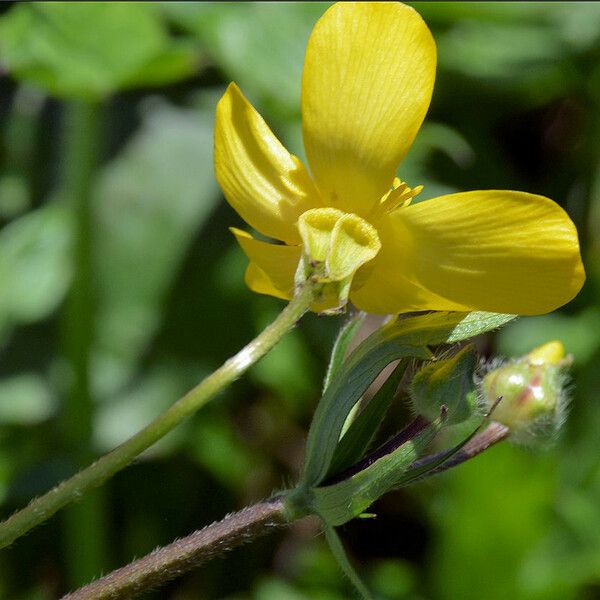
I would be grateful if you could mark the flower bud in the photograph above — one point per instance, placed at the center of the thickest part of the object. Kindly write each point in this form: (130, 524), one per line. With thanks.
(531, 389)
(448, 383)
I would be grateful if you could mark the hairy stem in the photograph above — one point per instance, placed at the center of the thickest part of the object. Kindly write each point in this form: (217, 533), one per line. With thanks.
(182, 555)
(173, 560)
(71, 489)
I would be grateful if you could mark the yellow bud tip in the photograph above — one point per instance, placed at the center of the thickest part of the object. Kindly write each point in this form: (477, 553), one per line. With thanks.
(552, 353)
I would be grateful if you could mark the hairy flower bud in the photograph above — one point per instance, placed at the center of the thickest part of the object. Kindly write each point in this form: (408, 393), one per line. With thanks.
(531, 389)
(449, 383)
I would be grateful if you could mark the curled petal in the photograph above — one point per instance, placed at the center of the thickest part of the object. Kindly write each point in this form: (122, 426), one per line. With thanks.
(498, 251)
(266, 185)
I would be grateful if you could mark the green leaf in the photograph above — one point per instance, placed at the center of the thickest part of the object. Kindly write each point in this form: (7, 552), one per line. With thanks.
(401, 338)
(340, 347)
(260, 45)
(162, 188)
(129, 410)
(84, 50)
(438, 328)
(480, 50)
(578, 333)
(358, 437)
(338, 551)
(35, 265)
(176, 62)
(25, 399)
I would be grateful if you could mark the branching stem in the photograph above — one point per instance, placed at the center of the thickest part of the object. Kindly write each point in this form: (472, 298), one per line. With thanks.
(182, 555)
(71, 489)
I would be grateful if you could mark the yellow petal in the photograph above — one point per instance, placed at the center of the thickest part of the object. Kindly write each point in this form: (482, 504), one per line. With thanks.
(366, 86)
(272, 267)
(498, 251)
(258, 281)
(267, 186)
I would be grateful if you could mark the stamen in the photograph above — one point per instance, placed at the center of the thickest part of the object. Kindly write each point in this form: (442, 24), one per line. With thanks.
(399, 196)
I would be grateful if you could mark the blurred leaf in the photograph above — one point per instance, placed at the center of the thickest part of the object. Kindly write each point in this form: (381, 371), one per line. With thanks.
(25, 400)
(578, 333)
(217, 447)
(277, 589)
(436, 136)
(260, 45)
(124, 415)
(496, 12)
(150, 202)
(35, 265)
(489, 50)
(488, 515)
(14, 196)
(433, 138)
(393, 579)
(568, 557)
(87, 50)
(581, 27)
(176, 62)
(316, 567)
(289, 370)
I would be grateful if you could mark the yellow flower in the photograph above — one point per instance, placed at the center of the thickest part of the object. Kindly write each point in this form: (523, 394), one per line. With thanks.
(366, 86)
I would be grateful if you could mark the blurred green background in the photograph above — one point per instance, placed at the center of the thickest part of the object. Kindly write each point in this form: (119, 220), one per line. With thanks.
(120, 287)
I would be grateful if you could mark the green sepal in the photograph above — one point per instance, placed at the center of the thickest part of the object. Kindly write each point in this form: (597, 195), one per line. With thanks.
(340, 502)
(422, 468)
(404, 337)
(359, 435)
(447, 382)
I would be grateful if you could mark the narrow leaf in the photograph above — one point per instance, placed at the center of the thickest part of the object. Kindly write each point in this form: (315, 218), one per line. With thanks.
(402, 338)
(338, 400)
(340, 347)
(357, 439)
(342, 559)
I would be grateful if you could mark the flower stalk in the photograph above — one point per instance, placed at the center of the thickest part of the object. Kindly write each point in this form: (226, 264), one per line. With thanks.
(170, 561)
(182, 555)
(72, 489)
